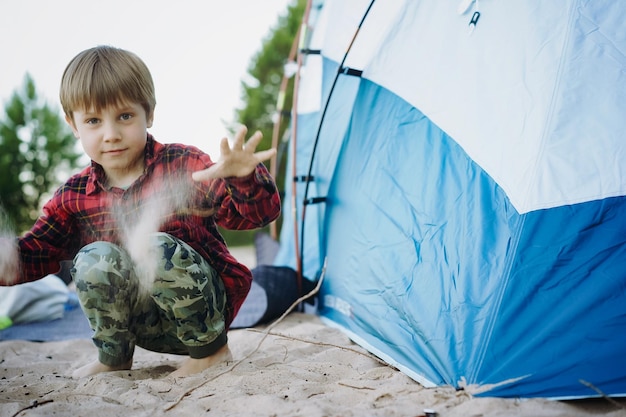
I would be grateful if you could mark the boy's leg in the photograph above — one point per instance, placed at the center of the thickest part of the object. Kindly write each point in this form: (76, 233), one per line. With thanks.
(191, 300)
(102, 273)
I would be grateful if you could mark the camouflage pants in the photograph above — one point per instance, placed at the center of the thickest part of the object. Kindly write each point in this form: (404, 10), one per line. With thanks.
(180, 311)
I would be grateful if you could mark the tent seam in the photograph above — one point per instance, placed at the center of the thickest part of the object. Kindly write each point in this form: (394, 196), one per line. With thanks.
(553, 99)
(500, 296)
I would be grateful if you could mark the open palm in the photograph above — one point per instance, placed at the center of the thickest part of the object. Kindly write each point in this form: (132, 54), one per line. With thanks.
(238, 161)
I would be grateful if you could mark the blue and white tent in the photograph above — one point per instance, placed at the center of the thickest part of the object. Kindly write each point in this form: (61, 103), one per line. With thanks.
(467, 189)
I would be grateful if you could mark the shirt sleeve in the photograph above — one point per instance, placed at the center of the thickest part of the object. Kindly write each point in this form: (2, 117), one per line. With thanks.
(46, 244)
(236, 203)
(249, 202)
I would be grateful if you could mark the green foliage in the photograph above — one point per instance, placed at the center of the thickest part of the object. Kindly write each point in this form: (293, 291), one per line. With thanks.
(260, 92)
(37, 149)
(240, 237)
(266, 71)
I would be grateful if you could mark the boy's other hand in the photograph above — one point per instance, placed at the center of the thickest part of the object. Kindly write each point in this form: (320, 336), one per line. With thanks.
(9, 261)
(238, 161)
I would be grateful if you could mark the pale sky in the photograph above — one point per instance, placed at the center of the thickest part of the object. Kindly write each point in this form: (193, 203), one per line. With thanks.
(197, 50)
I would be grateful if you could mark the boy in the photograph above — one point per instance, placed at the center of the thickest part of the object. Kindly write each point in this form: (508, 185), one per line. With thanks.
(150, 266)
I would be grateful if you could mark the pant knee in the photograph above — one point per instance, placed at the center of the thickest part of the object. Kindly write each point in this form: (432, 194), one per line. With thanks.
(174, 256)
(183, 268)
(101, 262)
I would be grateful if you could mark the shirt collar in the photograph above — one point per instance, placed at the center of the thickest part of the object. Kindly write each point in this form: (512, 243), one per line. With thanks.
(97, 176)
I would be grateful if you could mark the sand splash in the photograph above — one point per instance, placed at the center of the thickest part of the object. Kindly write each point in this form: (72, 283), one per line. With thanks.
(137, 233)
(9, 257)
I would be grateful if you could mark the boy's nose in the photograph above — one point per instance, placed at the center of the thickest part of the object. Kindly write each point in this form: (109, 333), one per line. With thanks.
(111, 132)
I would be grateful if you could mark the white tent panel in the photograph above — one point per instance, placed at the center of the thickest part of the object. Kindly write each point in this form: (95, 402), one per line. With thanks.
(310, 88)
(547, 149)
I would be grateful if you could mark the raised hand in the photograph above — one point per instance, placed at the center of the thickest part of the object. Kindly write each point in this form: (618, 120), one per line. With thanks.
(238, 161)
(9, 261)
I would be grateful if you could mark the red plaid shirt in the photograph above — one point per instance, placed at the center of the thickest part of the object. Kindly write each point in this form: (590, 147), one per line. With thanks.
(84, 211)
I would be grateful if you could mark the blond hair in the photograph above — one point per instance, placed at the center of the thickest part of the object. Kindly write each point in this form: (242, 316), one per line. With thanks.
(103, 76)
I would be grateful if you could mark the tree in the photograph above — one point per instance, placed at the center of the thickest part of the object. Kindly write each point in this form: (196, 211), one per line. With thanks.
(37, 149)
(260, 91)
(266, 69)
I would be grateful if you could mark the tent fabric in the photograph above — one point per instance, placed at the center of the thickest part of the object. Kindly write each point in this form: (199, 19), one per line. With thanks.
(474, 227)
(339, 112)
(525, 56)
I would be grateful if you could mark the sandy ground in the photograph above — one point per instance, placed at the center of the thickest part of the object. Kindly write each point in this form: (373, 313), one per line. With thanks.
(301, 367)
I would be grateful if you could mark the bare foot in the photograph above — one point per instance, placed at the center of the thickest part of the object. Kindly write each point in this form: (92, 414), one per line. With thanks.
(96, 367)
(193, 366)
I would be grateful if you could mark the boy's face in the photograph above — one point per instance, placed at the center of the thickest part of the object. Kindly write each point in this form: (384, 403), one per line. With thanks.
(114, 137)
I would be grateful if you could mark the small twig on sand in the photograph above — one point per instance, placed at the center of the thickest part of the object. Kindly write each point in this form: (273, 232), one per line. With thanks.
(316, 343)
(602, 394)
(33, 405)
(354, 386)
(266, 333)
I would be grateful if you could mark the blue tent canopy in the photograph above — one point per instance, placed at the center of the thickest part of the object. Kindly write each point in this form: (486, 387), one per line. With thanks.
(474, 221)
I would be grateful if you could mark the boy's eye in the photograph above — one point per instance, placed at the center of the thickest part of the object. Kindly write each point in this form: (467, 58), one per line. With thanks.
(91, 121)
(126, 116)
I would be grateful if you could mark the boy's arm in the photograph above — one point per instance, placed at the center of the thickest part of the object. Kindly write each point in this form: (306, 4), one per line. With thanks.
(249, 197)
(251, 202)
(39, 251)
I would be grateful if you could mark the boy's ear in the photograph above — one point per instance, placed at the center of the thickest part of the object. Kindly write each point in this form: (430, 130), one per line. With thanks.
(150, 118)
(70, 122)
